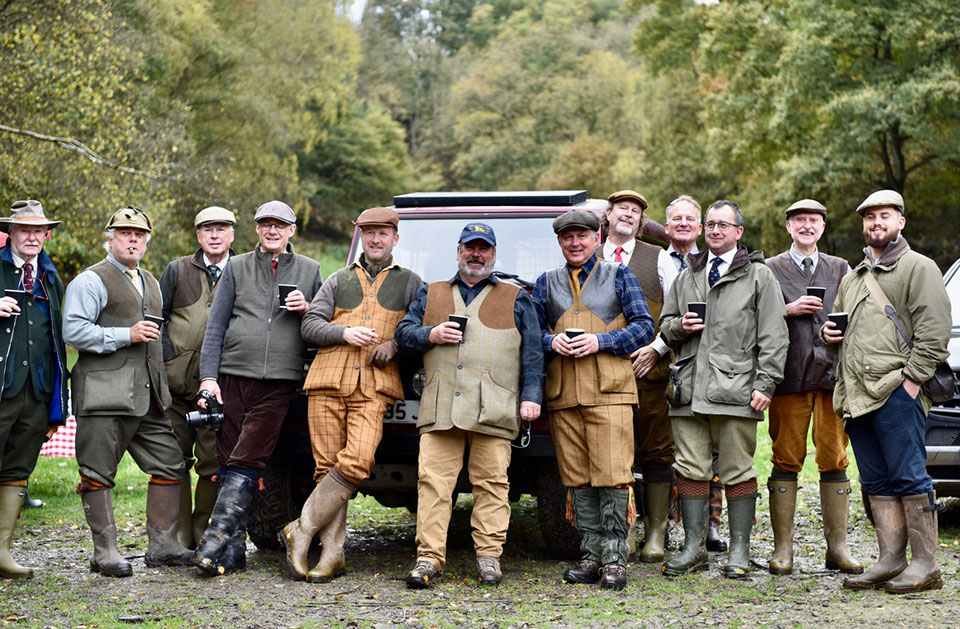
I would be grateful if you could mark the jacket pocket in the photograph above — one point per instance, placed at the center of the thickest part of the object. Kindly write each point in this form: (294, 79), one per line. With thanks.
(109, 390)
(554, 382)
(615, 374)
(428, 401)
(882, 374)
(730, 379)
(498, 404)
(179, 370)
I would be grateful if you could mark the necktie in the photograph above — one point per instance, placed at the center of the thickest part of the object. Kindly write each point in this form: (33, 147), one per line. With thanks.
(714, 272)
(28, 277)
(808, 268)
(273, 265)
(576, 281)
(214, 271)
(135, 278)
(616, 254)
(679, 256)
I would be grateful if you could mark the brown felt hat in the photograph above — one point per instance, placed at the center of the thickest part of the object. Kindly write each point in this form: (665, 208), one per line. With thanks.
(378, 216)
(26, 213)
(629, 195)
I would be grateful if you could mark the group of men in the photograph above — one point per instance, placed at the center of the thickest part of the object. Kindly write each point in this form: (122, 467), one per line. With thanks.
(657, 360)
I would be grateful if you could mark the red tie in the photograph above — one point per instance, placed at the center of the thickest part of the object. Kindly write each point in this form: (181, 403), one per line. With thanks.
(28, 277)
(616, 254)
(273, 265)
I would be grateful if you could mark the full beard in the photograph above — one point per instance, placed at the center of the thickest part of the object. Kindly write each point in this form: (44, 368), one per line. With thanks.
(623, 228)
(880, 240)
(466, 270)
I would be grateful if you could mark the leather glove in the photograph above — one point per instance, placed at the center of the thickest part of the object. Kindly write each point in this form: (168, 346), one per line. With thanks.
(382, 354)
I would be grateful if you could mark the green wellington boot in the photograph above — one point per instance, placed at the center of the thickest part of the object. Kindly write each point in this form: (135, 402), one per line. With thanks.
(783, 505)
(693, 511)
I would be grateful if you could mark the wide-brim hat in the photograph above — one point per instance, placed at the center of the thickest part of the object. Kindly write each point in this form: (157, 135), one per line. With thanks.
(378, 216)
(27, 213)
(882, 198)
(629, 195)
(807, 205)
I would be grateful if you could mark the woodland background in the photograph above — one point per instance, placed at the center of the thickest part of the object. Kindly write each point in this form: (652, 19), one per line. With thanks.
(173, 105)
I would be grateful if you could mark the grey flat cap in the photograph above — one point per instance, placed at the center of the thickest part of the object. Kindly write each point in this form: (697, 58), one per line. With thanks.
(278, 210)
(882, 198)
(807, 205)
(576, 218)
(214, 214)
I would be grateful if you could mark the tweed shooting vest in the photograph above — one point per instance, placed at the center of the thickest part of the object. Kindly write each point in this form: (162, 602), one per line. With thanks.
(186, 325)
(601, 378)
(377, 304)
(125, 381)
(473, 385)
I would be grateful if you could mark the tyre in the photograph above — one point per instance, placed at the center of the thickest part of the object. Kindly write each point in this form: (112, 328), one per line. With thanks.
(559, 536)
(287, 481)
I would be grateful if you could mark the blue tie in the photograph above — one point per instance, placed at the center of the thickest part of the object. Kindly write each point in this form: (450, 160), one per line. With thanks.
(679, 256)
(714, 272)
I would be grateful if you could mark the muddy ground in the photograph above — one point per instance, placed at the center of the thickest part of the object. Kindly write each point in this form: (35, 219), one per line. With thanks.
(381, 549)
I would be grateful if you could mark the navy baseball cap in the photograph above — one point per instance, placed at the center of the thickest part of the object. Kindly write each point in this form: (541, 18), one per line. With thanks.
(478, 231)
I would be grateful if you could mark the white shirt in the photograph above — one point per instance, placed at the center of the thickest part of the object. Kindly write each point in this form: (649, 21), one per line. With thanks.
(724, 266)
(222, 264)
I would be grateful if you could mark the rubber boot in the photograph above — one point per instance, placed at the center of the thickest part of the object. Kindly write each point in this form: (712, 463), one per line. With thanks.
(783, 506)
(740, 511)
(163, 502)
(234, 556)
(11, 502)
(715, 543)
(835, 503)
(325, 501)
(332, 562)
(655, 524)
(920, 512)
(233, 505)
(693, 511)
(98, 508)
(586, 519)
(204, 498)
(185, 521)
(891, 527)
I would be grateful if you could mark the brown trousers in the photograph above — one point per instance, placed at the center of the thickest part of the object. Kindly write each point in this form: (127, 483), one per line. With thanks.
(594, 445)
(345, 432)
(790, 416)
(652, 430)
(253, 412)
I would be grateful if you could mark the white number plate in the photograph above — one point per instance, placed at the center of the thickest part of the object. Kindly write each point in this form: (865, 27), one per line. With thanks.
(402, 412)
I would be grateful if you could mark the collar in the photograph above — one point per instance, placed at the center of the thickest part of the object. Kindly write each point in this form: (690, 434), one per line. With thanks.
(123, 267)
(609, 248)
(492, 279)
(671, 250)
(890, 255)
(726, 257)
(263, 254)
(20, 262)
(586, 266)
(41, 263)
(798, 257)
(222, 264)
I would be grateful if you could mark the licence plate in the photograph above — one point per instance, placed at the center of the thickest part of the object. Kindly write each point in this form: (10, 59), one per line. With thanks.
(402, 412)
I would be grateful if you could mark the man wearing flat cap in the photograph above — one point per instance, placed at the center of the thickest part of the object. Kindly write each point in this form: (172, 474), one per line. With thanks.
(33, 374)
(481, 381)
(593, 315)
(120, 394)
(188, 285)
(252, 363)
(352, 380)
(896, 335)
(652, 434)
(809, 280)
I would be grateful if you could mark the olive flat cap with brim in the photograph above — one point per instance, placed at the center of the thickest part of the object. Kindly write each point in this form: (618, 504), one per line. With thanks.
(378, 216)
(214, 214)
(583, 219)
(276, 209)
(27, 213)
(807, 205)
(882, 198)
(130, 217)
(628, 195)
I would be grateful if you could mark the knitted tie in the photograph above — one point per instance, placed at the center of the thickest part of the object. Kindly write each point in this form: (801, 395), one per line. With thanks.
(616, 254)
(214, 272)
(135, 278)
(28, 277)
(807, 268)
(714, 272)
(679, 256)
(576, 280)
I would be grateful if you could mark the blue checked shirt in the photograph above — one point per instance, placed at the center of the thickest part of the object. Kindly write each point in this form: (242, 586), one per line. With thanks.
(634, 335)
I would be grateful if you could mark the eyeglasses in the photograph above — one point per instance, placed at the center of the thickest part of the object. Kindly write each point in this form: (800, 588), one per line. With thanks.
(263, 225)
(722, 225)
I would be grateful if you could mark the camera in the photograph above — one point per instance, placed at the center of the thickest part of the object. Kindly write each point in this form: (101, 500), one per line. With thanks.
(212, 416)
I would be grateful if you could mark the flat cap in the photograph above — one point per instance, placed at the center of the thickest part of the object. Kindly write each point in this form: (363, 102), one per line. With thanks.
(629, 195)
(378, 216)
(882, 198)
(130, 217)
(807, 205)
(576, 218)
(278, 210)
(214, 214)
(478, 231)
(26, 213)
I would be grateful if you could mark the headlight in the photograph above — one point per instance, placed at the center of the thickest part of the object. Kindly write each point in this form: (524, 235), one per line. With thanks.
(418, 381)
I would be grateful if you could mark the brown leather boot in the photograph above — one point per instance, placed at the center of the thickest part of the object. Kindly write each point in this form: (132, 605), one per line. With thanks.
(98, 508)
(11, 502)
(891, 526)
(655, 524)
(163, 503)
(835, 503)
(922, 573)
(324, 502)
(332, 562)
(783, 506)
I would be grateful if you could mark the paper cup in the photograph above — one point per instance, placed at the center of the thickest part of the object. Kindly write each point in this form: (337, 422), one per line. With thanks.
(840, 319)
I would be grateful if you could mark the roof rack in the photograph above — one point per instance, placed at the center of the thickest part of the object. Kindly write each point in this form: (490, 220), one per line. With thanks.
(533, 198)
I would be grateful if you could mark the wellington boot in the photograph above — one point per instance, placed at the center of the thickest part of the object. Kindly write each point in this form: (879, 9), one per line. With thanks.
(922, 573)
(11, 501)
(715, 543)
(234, 556)
(233, 506)
(891, 526)
(184, 521)
(332, 562)
(330, 494)
(783, 505)
(98, 508)
(163, 502)
(741, 512)
(835, 503)
(693, 510)
(655, 524)
(204, 498)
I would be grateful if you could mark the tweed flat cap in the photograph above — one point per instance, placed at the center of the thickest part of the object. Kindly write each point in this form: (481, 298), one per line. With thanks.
(882, 198)
(806, 205)
(629, 195)
(378, 216)
(214, 214)
(576, 218)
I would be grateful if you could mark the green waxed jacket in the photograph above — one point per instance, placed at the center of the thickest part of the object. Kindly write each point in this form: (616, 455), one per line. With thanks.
(874, 357)
(744, 345)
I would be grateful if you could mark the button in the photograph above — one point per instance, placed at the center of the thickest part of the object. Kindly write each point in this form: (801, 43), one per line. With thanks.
(368, 318)
(356, 366)
(816, 342)
(30, 342)
(866, 367)
(25, 364)
(29, 303)
(577, 311)
(458, 366)
(147, 385)
(29, 322)
(456, 394)
(370, 295)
